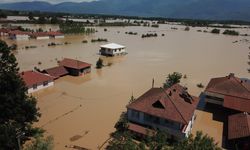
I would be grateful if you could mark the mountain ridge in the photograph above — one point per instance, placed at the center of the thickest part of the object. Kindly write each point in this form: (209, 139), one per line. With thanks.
(188, 9)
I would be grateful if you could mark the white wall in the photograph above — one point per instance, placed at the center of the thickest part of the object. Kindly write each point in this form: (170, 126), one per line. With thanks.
(19, 37)
(40, 87)
(42, 37)
(59, 36)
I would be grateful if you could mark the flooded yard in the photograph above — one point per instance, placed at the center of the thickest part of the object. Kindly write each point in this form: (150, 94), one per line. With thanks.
(82, 111)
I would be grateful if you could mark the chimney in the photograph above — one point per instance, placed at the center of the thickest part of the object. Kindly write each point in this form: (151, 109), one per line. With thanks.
(230, 75)
(170, 93)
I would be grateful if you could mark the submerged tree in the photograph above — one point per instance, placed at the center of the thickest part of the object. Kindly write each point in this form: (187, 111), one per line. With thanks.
(199, 142)
(41, 143)
(99, 63)
(172, 79)
(18, 110)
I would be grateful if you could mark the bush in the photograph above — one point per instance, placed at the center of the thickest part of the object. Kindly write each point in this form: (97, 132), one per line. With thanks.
(216, 31)
(99, 63)
(231, 32)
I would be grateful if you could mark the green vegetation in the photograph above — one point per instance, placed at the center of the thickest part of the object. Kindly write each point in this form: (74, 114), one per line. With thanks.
(99, 63)
(187, 29)
(216, 31)
(155, 25)
(172, 79)
(149, 35)
(99, 40)
(18, 109)
(131, 33)
(199, 142)
(75, 28)
(40, 143)
(231, 32)
(117, 24)
(200, 85)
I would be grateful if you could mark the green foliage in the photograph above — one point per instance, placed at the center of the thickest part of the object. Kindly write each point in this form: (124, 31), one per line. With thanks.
(122, 123)
(99, 63)
(172, 79)
(216, 31)
(41, 143)
(42, 20)
(230, 32)
(199, 142)
(18, 110)
(75, 28)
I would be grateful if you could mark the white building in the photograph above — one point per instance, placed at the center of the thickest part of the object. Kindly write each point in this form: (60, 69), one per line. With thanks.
(171, 110)
(18, 35)
(56, 34)
(40, 35)
(112, 49)
(36, 81)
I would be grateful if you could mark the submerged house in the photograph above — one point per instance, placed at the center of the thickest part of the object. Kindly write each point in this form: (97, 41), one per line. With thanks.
(75, 67)
(171, 110)
(36, 81)
(39, 35)
(55, 34)
(112, 49)
(230, 92)
(233, 94)
(56, 72)
(19, 35)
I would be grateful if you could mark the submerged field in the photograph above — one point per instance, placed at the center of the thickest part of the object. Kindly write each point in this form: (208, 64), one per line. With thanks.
(83, 110)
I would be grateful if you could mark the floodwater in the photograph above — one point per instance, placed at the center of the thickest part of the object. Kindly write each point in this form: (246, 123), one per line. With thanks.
(82, 111)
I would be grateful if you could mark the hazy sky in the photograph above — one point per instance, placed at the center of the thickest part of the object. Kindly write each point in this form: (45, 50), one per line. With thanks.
(50, 1)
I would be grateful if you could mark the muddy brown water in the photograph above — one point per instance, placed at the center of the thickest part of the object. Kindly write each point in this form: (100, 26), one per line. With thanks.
(85, 109)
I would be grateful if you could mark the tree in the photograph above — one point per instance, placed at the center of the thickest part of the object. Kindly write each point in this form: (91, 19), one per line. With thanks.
(41, 20)
(172, 79)
(199, 142)
(18, 110)
(41, 143)
(216, 31)
(99, 63)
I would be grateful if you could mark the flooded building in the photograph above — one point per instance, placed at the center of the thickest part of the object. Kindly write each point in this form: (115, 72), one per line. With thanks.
(233, 95)
(171, 110)
(4, 32)
(19, 35)
(239, 130)
(39, 35)
(56, 72)
(75, 67)
(55, 35)
(230, 92)
(112, 49)
(36, 81)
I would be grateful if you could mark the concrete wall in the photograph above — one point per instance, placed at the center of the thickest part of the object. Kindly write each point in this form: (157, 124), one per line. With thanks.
(19, 37)
(214, 98)
(42, 37)
(59, 37)
(40, 87)
(112, 52)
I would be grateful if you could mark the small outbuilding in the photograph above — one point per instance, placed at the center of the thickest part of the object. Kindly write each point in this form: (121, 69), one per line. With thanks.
(36, 81)
(75, 67)
(56, 34)
(112, 49)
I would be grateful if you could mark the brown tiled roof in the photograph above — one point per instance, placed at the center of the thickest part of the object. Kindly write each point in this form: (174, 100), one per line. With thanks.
(39, 34)
(72, 63)
(173, 105)
(236, 91)
(57, 72)
(54, 33)
(32, 77)
(140, 129)
(18, 32)
(238, 126)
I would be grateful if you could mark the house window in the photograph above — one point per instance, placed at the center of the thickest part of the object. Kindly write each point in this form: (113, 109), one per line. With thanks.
(45, 83)
(135, 114)
(34, 86)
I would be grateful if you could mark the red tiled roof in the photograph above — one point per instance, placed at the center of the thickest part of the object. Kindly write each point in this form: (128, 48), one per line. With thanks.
(72, 63)
(238, 126)
(32, 77)
(57, 72)
(18, 32)
(174, 106)
(236, 91)
(39, 34)
(4, 30)
(140, 129)
(54, 33)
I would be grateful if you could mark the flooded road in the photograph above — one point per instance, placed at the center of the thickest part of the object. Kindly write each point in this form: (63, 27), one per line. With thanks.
(82, 111)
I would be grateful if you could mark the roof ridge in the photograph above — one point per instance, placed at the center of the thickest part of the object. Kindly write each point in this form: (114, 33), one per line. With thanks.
(174, 105)
(241, 83)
